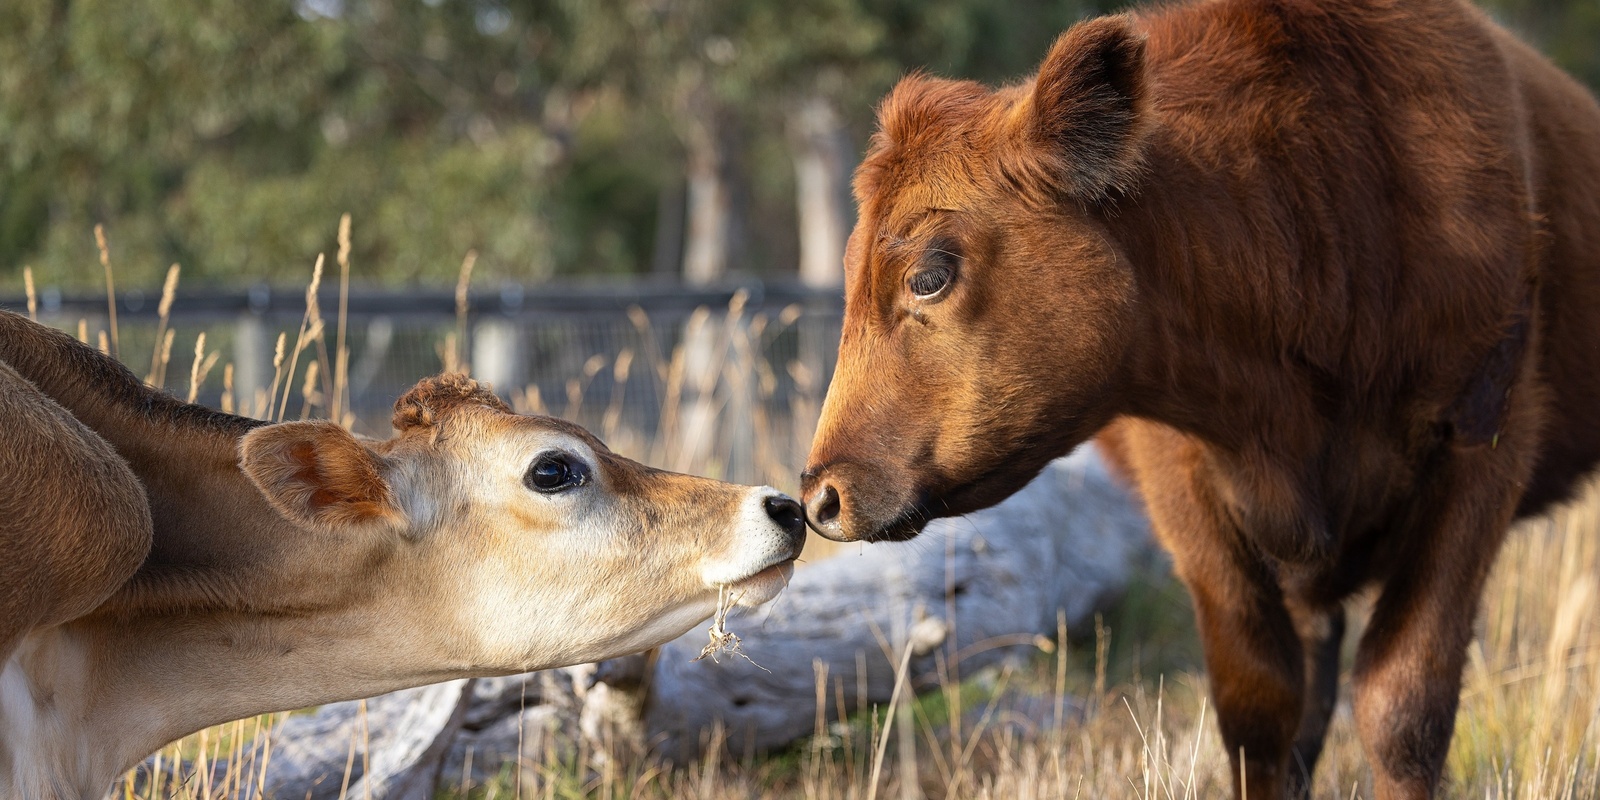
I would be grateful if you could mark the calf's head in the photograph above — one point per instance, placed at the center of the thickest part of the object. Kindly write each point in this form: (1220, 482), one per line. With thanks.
(506, 543)
(987, 309)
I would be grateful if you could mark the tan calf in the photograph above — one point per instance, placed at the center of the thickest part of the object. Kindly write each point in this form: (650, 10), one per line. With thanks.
(294, 564)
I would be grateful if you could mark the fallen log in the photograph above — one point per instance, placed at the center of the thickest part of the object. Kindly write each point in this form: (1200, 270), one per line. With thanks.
(393, 745)
(969, 592)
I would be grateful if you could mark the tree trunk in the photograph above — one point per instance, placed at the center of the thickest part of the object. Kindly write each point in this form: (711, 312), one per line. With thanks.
(710, 233)
(821, 176)
(708, 250)
(406, 736)
(666, 253)
(822, 162)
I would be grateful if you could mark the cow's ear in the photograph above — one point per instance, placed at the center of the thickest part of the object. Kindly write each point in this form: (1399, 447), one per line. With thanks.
(318, 475)
(1089, 106)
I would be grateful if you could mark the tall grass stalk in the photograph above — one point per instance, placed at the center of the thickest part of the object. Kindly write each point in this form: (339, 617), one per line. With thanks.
(454, 360)
(201, 367)
(341, 354)
(308, 391)
(310, 331)
(163, 355)
(163, 317)
(111, 285)
(33, 296)
(265, 405)
(227, 402)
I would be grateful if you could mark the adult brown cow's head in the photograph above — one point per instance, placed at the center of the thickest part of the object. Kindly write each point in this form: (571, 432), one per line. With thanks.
(987, 310)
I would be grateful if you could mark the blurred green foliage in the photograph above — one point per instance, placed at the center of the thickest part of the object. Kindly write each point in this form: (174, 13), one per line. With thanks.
(1568, 31)
(229, 135)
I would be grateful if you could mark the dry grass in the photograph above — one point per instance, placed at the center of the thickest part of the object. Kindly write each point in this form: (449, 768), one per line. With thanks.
(1125, 715)
(1526, 729)
(723, 641)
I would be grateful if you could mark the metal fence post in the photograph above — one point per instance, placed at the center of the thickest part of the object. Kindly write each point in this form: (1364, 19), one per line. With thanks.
(252, 360)
(497, 354)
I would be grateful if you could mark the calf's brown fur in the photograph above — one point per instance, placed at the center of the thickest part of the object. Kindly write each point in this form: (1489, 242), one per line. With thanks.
(73, 519)
(1324, 277)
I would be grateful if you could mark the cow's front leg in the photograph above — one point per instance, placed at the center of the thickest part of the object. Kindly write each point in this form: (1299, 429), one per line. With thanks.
(1253, 653)
(1256, 669)
(1321, 634)
(1407, 676)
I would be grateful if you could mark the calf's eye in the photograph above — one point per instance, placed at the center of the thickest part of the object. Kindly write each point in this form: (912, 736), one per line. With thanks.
(556, 472)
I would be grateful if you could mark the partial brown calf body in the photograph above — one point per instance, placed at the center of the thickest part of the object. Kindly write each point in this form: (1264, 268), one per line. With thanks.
(1323, 276)
(73, 519)
(164, 567)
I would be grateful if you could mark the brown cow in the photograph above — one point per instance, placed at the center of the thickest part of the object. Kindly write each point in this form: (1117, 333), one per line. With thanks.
(1324, 276)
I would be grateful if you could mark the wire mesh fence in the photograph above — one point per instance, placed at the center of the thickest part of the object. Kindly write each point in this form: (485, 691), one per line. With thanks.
(725, 381)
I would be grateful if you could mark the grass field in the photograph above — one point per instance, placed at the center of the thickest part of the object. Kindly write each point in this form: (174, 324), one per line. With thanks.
(1121, 714)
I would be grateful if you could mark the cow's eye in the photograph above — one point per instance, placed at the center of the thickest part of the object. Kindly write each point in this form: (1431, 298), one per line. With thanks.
(936, 272)
(929, 282)
(556, 471)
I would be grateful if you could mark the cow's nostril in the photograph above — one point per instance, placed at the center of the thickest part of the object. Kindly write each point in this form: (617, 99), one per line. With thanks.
(823, 508)
(787, 513)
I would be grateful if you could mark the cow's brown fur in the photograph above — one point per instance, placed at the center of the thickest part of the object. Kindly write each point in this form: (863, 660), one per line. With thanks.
(1323, 276)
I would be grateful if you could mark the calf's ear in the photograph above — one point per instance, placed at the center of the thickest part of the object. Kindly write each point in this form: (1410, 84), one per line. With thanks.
(1089, 107)
(318, 475)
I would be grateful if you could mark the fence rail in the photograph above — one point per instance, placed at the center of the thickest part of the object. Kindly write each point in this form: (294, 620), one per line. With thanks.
(509, 299)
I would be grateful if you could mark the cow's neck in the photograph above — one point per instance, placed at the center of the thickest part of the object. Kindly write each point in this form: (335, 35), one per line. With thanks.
(1223, 289)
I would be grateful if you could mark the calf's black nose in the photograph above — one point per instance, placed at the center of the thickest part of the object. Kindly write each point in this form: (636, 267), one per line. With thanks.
(789, 516)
